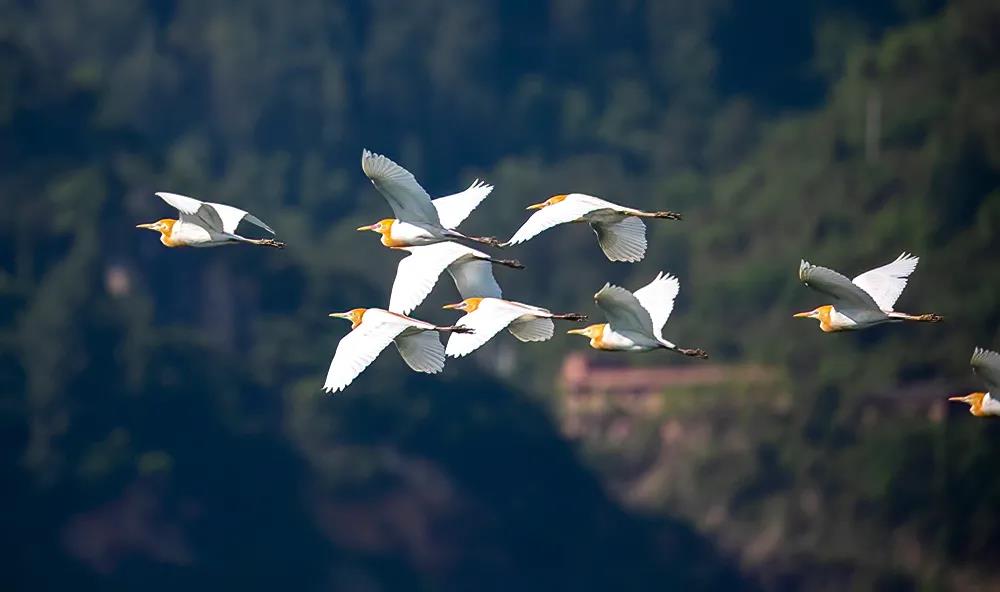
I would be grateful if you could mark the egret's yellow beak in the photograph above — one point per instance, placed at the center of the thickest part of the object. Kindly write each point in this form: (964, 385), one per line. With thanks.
(150, 226)
(456, 306)
(342, 315)
(961, 398)
(537, 206)
(585, 332)
(369, 227)
(803, 315)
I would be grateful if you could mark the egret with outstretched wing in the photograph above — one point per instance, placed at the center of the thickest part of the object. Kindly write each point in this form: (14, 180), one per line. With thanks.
(619, 229)
(986, 365)
(419, 219)
(205, 224)
(865, 301)
(635, 321)
(417, 273)
(488, 316)
(372, 330)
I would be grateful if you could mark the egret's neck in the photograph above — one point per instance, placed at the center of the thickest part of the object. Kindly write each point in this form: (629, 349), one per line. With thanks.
(597, 341)
(825, 315)
(166, 233)
(390, 241)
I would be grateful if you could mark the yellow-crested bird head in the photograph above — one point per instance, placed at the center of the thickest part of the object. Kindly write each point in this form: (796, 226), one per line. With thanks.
(549, 202)
(165, 227)
(822, 314)
(382, 226)
(592, 332)
(354, 315)
(973, 400)
(467, 305)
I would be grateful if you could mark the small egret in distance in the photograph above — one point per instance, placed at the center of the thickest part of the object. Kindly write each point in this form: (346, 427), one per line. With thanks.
(863, 302)
(205, 224)
(635, 321)
(619, 229)
(986, 365)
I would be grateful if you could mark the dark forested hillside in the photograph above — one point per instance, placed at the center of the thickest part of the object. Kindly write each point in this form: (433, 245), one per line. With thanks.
(161, 414)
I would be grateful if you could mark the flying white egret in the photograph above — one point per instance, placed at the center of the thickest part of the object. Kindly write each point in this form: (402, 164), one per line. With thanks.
(619, 230)
(419, 219)
(986, 365)
(205, 224)
(372, 330)
(488, 316)
(417, 273)
(635, 321)
(866, 301)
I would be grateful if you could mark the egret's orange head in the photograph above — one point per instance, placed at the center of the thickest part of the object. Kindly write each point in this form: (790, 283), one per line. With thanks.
(822, 314)
(164, 227)
(549, 202)
(354, 315)
(973, 400)
(382, 226)
(467, 305)
(591, 331)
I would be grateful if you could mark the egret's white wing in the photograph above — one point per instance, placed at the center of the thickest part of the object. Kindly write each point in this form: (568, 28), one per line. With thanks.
(422, 351)
(835, 285)
(359, 348)
(986, 365)
(657, 297)
(418, 273)
(453, 209)
(231, 218)
(193, 210)
(622, 241)
(568, 210)
(486, 321)
(474, 278)
(886, 283)
(623, 310)
(408, 200)
(540, 329)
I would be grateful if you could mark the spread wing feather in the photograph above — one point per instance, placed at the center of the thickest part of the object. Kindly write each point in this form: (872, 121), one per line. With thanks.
(568, 210)
(540, 329)
(886, 283)
(986, 365)
(214, 216)
(623, 310)
(657, 297)
(453, 209)
(422, 351)
(835, 285)
(359, 348)
(622, 241)
(408, 200)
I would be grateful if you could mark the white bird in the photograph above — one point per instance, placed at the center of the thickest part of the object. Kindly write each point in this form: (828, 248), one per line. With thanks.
(417, 273)
(372, 330)
(986, 365)
(419, 219)
(866, 301)
(635, 321)
(488, 316)
(205, 224)
(619, 230)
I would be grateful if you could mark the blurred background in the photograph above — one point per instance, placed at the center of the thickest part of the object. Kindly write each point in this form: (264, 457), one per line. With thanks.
(161, 417)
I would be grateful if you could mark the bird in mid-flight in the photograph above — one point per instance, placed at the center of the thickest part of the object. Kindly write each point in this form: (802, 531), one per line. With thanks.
(372, 330)
(419, 219)
(865, 301)
(488, 316)
(986, 365)
(417, 273)
(205, 224)
(635, 321)
(619, 229)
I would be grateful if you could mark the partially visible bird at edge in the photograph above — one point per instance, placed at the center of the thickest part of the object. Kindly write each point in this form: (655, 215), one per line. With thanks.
(986, 365)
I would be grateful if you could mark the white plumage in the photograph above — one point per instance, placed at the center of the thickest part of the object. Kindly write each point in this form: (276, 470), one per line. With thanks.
(488, 316)
(417, 274)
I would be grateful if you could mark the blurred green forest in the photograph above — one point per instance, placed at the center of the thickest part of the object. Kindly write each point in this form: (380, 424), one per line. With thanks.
(162, 419)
